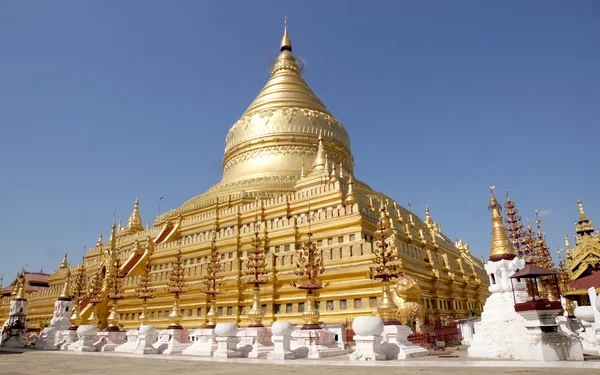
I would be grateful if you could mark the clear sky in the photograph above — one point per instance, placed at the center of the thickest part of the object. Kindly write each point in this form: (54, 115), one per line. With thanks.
(100, 101)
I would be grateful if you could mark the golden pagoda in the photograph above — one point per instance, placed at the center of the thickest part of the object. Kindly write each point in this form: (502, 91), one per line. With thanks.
(582, 262)
(287, 162)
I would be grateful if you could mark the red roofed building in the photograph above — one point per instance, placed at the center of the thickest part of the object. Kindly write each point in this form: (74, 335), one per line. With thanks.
(34, 282)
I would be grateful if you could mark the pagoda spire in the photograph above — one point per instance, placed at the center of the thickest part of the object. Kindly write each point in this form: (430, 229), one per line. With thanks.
(350, 195)
(286, 42)
(333, 177)
(582, 216)
(584, 225)
(113, 237)
(501, 247)
(135, 221)
(20, 293)
(321, 157)
(64, 263)
(428, 219)
(567, 244)
(65, 294)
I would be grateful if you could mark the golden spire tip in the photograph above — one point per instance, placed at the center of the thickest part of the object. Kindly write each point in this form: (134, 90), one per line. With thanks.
(286, 42)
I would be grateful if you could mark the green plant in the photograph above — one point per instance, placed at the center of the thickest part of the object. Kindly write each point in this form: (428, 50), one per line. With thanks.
(473, 312)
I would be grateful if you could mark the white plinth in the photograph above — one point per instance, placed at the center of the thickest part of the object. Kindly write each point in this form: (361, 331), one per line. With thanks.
(47, 339)
(130, 343)
(86, 339)
(254, 342)
(147, 336)
(227, 341)
(172, 341)
(227, 348)
(281, 338)
(110, 340)
(368, 339)
(204, 344)
(368, 348)
(69, 340)
(395, 343)
(315, 343)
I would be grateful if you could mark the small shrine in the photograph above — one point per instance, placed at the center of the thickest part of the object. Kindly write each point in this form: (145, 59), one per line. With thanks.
(539, 312)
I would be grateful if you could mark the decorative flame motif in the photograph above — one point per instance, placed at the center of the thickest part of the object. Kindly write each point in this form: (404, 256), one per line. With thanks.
(144, 291)
(213, 276)
(386, 255)
(115, 293)
(212, 280)
(256, 270)
(176, 284)
(309, 264)
(256, 267)
(387, 267)
(94, 295)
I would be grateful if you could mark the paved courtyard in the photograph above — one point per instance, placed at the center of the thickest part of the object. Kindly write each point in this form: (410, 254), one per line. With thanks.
(34, 363)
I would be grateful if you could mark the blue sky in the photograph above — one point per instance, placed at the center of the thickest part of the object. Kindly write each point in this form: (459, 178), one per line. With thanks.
(101, 101)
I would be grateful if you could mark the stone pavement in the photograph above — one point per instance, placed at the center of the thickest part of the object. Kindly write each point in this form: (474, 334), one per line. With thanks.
(20, 362)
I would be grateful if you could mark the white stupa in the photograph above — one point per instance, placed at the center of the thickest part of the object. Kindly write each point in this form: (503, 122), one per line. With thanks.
(504, 333)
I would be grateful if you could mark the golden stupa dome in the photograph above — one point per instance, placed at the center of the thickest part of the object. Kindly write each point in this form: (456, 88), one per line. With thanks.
(279, 131)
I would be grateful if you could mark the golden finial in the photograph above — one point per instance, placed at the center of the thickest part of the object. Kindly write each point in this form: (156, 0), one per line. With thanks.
(333, 177)
(113, 237)
(327, 163)
(302, 172)
(100, 241)
(501, 247)
(286, 42)
(64, 263)
(427, 215)
(582, 216)
(147, 224)
(65, 294)
(350, 196)
(341, 171)
(120, 228)
(134, 224)
(567, 244)
(319, 162)
(20, 295)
